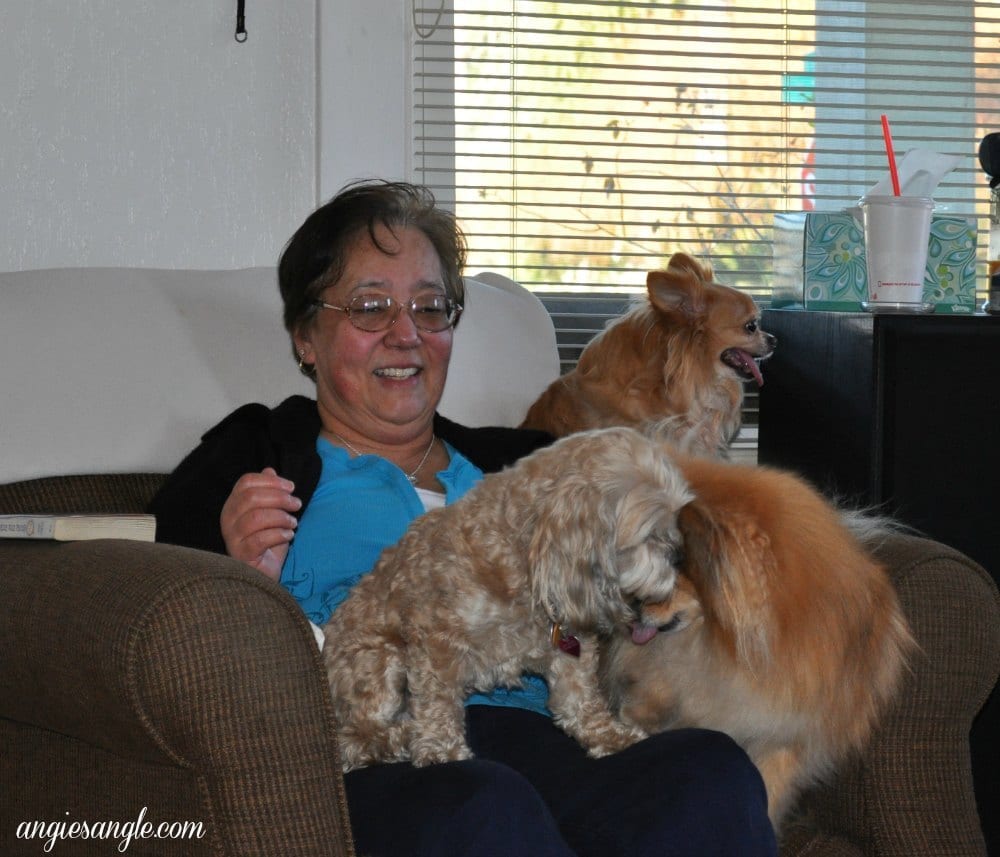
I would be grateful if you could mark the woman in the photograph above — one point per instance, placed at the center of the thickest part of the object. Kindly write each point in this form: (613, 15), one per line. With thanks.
(309, 493)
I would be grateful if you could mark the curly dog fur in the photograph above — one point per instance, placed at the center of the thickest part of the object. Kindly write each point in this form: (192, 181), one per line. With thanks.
(575, 536)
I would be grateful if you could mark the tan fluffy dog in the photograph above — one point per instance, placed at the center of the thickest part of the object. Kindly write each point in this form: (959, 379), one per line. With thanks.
(782, 632)
(684, 352)
(573, 538)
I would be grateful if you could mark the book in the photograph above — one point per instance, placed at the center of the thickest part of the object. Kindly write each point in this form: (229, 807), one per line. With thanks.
(68, 528)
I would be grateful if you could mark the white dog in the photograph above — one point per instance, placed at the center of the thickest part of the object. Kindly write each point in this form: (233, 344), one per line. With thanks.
(567, 544)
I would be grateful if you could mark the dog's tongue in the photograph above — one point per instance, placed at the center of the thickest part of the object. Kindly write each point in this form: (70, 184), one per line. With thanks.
(749, 365)
(642, 633)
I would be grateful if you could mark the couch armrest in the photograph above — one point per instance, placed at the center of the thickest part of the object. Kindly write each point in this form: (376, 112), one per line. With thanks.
(911, 792)
(170, 660)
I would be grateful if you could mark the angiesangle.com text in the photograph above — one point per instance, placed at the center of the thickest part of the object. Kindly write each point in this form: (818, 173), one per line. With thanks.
(122, 833)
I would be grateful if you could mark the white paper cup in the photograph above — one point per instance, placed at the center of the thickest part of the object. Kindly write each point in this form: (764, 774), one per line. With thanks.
(897, 232)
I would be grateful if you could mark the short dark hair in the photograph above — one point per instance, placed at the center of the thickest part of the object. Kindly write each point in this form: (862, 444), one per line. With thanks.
(315, 256)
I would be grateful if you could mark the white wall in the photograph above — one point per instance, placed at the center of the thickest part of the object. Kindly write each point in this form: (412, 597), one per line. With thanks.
(142, 134)
(364, 91)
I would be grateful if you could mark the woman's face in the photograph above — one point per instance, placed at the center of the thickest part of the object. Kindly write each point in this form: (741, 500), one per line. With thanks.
(382, 385)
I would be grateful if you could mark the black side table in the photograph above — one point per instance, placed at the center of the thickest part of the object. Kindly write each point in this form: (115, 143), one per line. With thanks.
(900, 411)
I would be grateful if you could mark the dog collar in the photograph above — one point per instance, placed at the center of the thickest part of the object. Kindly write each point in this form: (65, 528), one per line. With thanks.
(564, 642)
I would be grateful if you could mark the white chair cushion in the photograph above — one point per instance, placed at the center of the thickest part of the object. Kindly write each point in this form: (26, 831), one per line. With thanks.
(117, 370)
(504, 354)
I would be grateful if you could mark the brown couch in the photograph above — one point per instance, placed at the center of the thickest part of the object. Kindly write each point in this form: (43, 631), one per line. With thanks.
(146, 679)
(140, 677)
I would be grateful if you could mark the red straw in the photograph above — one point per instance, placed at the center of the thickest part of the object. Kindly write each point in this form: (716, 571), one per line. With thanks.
(887, 136)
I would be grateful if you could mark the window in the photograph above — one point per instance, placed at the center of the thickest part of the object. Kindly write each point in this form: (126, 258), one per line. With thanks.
(583, 142)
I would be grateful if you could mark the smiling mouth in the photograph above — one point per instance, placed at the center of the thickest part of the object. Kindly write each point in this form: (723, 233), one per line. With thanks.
(390, 372)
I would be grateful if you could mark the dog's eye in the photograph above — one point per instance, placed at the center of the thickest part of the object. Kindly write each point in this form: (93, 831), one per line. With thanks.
(751, 326)
(675, 555)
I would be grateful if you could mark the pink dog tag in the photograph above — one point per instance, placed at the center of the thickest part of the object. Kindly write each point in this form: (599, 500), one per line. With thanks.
(570, 645)
(565, 642)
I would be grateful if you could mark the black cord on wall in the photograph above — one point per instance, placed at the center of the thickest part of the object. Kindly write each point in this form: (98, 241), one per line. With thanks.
(241, 22)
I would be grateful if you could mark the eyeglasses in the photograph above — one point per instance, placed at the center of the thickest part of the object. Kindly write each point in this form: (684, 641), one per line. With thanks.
(433, 313)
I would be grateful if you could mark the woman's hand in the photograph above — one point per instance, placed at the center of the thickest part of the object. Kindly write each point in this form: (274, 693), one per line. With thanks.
(256, 520)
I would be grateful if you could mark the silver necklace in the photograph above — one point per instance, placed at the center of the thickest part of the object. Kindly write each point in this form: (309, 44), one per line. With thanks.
(412, 476)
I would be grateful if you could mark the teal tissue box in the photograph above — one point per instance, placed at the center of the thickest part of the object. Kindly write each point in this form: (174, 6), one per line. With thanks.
(834, 275)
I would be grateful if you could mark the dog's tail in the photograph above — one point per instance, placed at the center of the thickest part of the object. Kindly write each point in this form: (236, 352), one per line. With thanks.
(872, 526)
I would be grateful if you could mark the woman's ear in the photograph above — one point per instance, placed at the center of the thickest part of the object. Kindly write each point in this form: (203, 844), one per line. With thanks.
(304, 350)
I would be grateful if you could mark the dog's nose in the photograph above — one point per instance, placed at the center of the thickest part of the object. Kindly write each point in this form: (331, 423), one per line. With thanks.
(771, 340)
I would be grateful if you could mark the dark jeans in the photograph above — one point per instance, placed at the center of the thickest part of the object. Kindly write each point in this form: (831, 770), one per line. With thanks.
(533, 791)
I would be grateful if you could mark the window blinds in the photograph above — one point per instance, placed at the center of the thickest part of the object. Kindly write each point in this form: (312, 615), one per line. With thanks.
(583, 142)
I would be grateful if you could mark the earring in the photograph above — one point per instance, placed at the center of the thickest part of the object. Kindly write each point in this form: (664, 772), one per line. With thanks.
(302, 357)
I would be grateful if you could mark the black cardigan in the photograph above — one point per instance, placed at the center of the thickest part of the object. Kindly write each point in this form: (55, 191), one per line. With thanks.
(188, 506)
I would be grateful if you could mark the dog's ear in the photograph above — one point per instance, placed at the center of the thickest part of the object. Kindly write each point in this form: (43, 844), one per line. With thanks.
(681, 287)
(578, 544)
(619, 499)
(728, 558)
(566, 552)
(647, 543)
(703, 544)
(639, 513)
(682, 262)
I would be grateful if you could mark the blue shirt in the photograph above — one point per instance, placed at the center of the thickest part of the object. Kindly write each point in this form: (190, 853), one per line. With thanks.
(361, 506)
